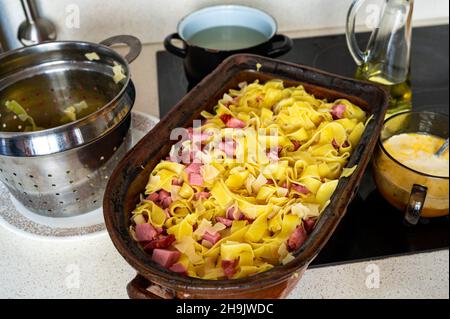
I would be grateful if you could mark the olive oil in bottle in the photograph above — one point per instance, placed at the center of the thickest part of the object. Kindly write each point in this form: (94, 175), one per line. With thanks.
(400, 99)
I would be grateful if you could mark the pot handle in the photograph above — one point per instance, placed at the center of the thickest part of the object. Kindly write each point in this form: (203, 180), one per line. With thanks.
(286, 45)
(181, 52)
(415, 204)
(141, 288)
(132, 42)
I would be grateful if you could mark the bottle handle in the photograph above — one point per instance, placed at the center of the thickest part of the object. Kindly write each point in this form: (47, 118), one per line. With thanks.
(415, 204)
(358, 55)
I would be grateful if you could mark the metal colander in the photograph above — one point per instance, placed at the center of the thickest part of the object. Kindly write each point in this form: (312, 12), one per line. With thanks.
(62, 170)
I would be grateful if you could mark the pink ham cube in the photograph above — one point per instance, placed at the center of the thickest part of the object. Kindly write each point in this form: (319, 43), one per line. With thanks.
(212, 238)
(229, 267)
(164, 257)
(202, 195)
(337, 111)
(309, 224)
(178, 268)
(297, 238)
(235, 123)
(154, 197)
(233, 213)
(301, 189)
(296, 144)
(193, 168)
(227, 222)
(195, 179)
(145, 232)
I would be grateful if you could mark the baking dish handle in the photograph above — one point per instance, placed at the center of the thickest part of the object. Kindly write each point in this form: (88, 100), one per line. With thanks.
(134, 44)
(141, 288)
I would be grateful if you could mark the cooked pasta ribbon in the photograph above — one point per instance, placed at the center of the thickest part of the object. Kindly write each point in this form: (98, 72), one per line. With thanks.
(271, 159)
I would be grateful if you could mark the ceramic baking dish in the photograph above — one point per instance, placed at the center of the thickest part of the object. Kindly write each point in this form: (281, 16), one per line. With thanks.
(131, 175)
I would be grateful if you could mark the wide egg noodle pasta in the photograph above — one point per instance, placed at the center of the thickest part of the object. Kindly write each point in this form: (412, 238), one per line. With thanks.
(274, 192)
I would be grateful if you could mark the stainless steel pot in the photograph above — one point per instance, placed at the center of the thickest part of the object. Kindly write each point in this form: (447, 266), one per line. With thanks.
(62, 171)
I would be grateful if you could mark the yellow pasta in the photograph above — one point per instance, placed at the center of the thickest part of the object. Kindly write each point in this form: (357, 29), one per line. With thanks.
(261, 169)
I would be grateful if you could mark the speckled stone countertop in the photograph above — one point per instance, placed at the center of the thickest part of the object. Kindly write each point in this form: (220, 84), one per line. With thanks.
(92, 268)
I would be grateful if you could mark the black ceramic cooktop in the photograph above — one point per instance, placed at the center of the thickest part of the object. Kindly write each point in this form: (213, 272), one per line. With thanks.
(371, 228)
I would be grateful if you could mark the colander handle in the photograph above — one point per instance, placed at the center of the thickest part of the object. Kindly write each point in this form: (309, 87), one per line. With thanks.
(132, 42)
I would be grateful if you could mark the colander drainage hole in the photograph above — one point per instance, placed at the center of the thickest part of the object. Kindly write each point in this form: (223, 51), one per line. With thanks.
(61, 203)
(50, 175)
(102, 158)
(6, 179)
(74, 191)
(77, 199)
(95, 201)
(67, 172)
(54, 185)
(20, 184)
(31, 176)
(57, 194)
(35, 186)
(14, 174)
(71, 182)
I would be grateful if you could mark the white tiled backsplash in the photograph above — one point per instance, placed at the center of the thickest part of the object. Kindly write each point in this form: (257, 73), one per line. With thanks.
(152, 20)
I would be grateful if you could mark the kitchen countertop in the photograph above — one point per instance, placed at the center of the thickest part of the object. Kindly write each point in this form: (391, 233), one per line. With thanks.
(92, 268)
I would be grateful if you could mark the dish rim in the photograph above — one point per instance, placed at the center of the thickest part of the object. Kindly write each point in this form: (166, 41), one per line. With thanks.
(327, 222)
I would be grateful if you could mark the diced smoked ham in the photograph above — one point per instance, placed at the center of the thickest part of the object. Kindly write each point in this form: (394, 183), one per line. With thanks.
(235, 123)
(301, 189)
(165, 203)
(337, 111)
(309, 224)
(202, 195)
(229, 267)
(163, 194)
(195, 179)
(273, 155)
(346, 144)
(233, 213)
(296, 144)
(164, 257)
(154, 197)
(177, 182)
(225, 118)
(178, 268)
(145, 232)
(228, 147)
(197, 135)
(227, 222)
(297, 238)
(212, 238)
(193, 168)
(335, 144)
(160, 242)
